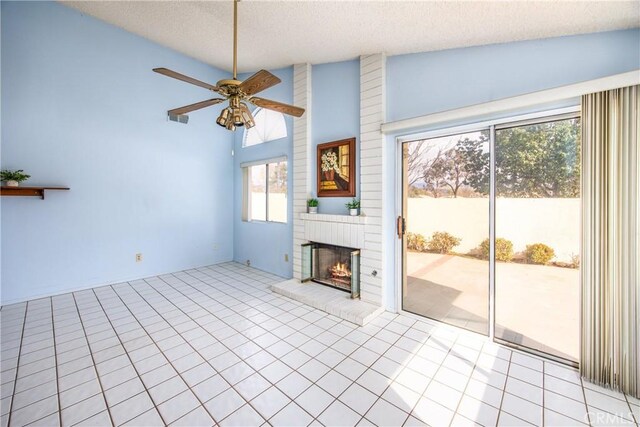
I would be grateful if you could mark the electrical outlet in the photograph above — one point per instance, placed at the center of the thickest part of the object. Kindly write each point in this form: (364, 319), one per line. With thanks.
(286, 257)
(138, 257)
(248, 263)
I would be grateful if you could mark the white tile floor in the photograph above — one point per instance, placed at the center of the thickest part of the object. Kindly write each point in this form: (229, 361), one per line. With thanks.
(215, 346)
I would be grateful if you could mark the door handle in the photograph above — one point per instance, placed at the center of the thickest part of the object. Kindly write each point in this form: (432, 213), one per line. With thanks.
(401, 226)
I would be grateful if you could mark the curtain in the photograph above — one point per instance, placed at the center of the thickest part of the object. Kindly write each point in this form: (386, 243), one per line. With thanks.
(610, 312)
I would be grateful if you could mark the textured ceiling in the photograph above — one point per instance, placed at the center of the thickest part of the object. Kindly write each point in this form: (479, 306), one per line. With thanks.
(275, 34)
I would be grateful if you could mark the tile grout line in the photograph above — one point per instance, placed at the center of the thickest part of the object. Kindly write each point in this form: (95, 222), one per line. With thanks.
(380, 356)
(311, 358)
(95, 366)
(504, 389)
(128, 357)
(186, 341)
(132, 364)
(228, 349)
(15, 382)
(168, 360)
(231, 350)
(475, 364)
(379, 397)
(633, 415)
(544, 365)
(55, 356)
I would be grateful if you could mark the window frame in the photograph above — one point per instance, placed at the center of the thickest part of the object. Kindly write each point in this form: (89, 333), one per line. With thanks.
(246, 193)
(501, 122)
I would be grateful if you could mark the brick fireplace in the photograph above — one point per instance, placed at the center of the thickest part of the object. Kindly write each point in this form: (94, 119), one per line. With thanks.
(364, 232)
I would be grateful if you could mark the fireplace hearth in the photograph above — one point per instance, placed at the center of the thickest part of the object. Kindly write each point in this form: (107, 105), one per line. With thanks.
(332, 265)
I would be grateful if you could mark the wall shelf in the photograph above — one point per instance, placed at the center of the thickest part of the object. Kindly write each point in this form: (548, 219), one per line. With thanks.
(27, 191)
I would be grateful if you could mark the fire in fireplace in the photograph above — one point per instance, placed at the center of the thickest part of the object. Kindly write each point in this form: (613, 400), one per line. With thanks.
(341, 273)
(332, 265)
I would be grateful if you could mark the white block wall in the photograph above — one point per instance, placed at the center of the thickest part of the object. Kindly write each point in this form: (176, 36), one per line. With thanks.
(372, 111)
(301, 158)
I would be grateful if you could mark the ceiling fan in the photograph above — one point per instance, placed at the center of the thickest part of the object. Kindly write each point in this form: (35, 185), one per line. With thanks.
(235, 91)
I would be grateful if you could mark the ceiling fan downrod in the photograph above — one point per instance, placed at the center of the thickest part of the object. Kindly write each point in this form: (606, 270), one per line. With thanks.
(235, 39)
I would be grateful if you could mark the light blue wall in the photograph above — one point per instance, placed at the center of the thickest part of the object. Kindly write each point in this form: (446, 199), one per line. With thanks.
(335, 115)
(266, 243)
(82, 108)
(424, 83)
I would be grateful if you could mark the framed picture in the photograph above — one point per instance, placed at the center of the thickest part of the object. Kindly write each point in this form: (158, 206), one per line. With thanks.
(336, 168)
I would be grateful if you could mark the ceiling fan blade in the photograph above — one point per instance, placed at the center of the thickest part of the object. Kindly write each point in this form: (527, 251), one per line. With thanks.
(277, 106)
(169, 73)
(198, 105)
(258, 82)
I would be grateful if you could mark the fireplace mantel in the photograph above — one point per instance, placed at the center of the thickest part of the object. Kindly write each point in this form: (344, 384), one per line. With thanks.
(349, 219)
(340, 230)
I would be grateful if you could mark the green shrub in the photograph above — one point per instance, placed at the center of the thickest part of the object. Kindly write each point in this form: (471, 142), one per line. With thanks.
(416, 242)
(504, 249)
(442, 242)
(539, 253)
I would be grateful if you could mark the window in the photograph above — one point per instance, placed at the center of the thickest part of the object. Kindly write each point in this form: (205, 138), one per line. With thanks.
(265, 191)
(270, 125)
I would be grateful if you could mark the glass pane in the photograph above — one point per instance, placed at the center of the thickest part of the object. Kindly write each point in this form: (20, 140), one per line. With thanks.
(447, 210)
(538, 236)
(269, 125)
(306, 261)
(278, 192)
(355, 274)
(257, 192)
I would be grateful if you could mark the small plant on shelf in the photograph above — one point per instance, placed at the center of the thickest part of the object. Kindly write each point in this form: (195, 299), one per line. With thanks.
(353, 206)
(312, 206)
(13, 178)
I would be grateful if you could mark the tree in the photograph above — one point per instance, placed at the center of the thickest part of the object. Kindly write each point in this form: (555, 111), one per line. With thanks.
(464, 164)
(475, 157)
(433, 174)
(453, 170)
(412, 153)
(541, 160)
(278, 177)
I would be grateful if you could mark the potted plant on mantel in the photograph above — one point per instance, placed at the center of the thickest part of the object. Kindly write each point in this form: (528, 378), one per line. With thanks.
(354, 207)
(13, 178)
(312, 206)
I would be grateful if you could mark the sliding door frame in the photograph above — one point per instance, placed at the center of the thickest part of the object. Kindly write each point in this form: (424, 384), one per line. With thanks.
(492, 126)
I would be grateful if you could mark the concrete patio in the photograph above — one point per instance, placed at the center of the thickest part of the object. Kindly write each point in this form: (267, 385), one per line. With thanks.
(536, 306)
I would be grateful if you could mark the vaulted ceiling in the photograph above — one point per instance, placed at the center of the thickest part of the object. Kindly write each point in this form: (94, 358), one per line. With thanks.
(275, 34)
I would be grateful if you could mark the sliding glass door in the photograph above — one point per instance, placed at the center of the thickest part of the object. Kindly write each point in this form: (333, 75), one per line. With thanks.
(446, 185)
(492, 223)
(537, 205)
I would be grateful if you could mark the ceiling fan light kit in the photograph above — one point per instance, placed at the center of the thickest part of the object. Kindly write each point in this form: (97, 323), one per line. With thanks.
(237, 113)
